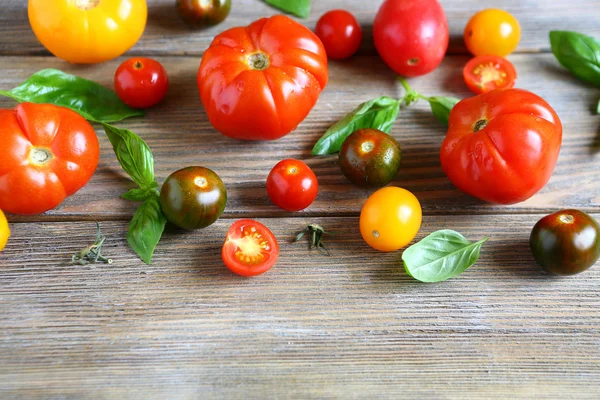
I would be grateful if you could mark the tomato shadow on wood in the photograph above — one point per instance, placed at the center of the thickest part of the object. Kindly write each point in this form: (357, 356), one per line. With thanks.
(514, 258)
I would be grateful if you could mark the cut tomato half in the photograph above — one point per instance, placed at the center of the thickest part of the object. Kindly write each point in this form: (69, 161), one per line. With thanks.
(485, 73)
(250, 248)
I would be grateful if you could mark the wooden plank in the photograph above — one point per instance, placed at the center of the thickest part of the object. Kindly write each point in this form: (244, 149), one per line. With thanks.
(166, 34)
(312, 327)
(179, 133)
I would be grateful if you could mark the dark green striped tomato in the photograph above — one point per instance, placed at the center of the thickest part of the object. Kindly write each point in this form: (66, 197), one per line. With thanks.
(370, 157)
(193, 197)
(201, 13)
(566, 242)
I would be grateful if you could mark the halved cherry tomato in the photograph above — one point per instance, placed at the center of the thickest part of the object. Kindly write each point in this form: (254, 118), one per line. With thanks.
(4, 230)
(485, 73)
(141, 82)
(292, 185)
(250, 248)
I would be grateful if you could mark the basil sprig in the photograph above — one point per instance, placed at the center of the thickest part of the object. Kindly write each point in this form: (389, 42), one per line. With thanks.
(299, 8)
(90, 99)
(579, 53)
(440, 256)
(146, 228)
(379, 113)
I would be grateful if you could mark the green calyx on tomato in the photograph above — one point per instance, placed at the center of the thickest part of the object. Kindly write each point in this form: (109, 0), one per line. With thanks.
(501, 146)
(201, 13)
(369, 157)
(253, 92)
(566, 242)
(193, 197)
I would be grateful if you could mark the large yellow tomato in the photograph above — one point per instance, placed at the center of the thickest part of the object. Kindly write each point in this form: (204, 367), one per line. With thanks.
(4, 230)
(390, 219)
(87, 31)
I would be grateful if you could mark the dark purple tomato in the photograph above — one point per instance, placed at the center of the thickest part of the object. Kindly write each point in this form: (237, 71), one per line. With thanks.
(370, 157)
(566, 242)
(199, 13)
(193, 197)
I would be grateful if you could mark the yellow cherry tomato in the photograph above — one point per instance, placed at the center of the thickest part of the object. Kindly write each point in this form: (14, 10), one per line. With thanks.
(87, 31)
(390, 219)
(4, 230)
(492, 32)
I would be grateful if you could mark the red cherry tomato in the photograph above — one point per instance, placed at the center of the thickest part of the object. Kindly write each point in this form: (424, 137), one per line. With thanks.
(141, 82)
(260, 81)
(411, 35)
(501, 146)
(250, 248)
(47, 152)
(340, 33)
(292, 185)
(485, 73)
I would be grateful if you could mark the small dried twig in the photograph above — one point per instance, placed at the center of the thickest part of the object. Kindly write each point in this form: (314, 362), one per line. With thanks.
(93, 253)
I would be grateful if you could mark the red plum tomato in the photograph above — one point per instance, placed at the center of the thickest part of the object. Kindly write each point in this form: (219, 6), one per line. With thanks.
(411, 35)
(370, 157)
(193, 197)
(340, 33)
(292, 185)
(250, 248)
(566, 242)
(141, 82)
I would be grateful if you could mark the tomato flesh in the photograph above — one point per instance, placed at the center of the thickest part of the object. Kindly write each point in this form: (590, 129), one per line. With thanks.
(141, 82)
(250, 248)
(566, 242)
(485, 73)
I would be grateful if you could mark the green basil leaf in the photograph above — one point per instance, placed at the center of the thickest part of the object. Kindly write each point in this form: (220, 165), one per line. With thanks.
(441, 107)
(90, 99)
(133, 154)
(379, 113)
(598, 109)
(442, 255)
(578, 53)
(141, 194)
(146, 228)
(299, 8)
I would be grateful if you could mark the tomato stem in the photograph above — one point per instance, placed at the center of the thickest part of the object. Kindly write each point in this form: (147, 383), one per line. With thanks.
(479, 125)
(92, 253)
(258, 61)
(316, 235)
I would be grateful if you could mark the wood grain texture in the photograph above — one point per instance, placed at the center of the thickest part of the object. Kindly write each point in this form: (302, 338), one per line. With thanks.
(180, 135)
(167, 34)
(348, 326)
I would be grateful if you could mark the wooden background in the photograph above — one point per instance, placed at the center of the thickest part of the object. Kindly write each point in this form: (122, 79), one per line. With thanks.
(352, 325)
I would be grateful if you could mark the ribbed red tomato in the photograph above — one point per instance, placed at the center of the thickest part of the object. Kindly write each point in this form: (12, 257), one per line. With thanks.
(48, 153)
(259, 82)
(502, 145)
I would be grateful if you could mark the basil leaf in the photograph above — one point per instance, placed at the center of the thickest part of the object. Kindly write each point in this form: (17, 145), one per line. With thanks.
(379, 113)
(133, 154)
(442, 255)
(578, 53)
(441, 107)
(146, 228)
(598, 109)
(300, 8)
(141, 194)
(90, 99)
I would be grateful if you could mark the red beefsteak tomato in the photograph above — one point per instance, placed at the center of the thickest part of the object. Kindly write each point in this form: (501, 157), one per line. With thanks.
(48, 153)
(502, 145)
(259, 82)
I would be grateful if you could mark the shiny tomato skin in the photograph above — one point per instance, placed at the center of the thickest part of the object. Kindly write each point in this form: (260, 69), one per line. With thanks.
(485, 73)
(259, 82)
(250, 248)
(87, 31)
(48, 153)
(292, 185)
(501, 146)
(193, 197)
(340, 33)
(4, 230)
(566, 242)
(141, 82)
(390, 219)
(370, 157)
(492, 32)
(411, 35)
(201, 13)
